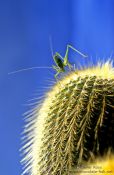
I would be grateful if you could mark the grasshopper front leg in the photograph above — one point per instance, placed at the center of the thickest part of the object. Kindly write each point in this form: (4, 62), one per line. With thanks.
(58, 71)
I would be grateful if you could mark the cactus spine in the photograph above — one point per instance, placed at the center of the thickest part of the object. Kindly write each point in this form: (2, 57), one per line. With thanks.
(75, 120)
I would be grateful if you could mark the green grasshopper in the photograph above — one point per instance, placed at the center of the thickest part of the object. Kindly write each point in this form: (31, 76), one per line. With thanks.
(62, 62)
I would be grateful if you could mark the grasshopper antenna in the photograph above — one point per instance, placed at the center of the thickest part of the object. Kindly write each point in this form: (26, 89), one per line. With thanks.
(51, 46)
(30, 68)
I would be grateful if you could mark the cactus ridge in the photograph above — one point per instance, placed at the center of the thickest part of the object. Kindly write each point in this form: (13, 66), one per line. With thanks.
(75, 120)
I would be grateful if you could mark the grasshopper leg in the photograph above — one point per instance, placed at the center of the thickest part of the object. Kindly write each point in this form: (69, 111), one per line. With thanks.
(66, 61)
(58, 70)
(71, 47)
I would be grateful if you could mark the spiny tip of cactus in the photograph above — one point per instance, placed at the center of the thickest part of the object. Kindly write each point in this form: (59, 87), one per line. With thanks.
(105, 70)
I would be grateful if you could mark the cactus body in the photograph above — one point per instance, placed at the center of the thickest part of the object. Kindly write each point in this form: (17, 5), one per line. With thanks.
(75, 120)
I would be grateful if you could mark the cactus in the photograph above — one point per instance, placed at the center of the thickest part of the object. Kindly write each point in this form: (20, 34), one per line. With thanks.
(74, 121)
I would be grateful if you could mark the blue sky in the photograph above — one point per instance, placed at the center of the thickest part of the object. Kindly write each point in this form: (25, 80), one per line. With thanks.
(25, 27)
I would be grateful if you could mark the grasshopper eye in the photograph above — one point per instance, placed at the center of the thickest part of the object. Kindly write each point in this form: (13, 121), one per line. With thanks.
(56, 58)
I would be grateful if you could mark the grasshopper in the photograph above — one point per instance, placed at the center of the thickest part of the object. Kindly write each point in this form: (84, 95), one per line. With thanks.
(62, 62)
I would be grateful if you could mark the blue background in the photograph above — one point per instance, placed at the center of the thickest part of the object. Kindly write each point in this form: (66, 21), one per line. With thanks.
(25, 27)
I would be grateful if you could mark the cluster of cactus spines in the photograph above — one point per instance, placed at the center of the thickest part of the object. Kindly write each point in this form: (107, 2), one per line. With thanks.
(75, 120)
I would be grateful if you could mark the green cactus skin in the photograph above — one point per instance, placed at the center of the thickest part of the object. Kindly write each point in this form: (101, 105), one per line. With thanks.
(75, 120)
